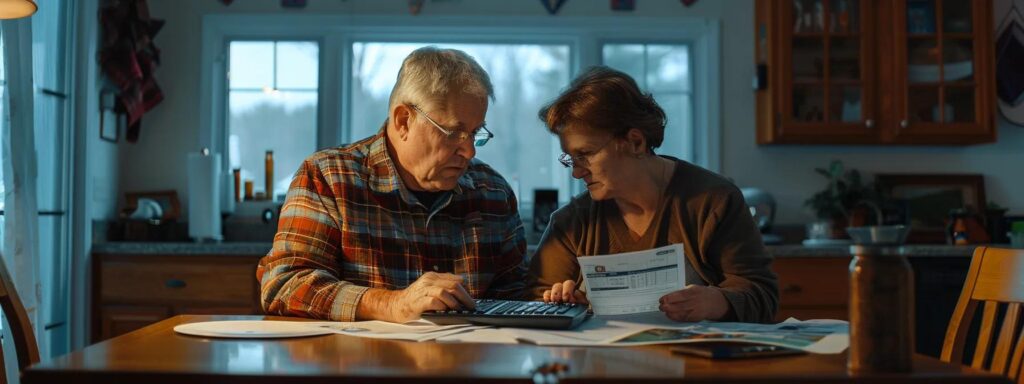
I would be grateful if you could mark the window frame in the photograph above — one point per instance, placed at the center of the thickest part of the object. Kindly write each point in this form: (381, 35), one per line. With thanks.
(336, 34)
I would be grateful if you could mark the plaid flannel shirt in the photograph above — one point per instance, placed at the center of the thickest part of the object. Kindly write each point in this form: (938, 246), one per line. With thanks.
(349, 224)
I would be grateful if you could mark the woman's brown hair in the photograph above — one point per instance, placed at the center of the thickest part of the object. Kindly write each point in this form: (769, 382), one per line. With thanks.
(606, 100)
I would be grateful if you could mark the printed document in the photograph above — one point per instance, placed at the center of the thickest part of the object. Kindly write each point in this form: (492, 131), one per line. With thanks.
(632, 282)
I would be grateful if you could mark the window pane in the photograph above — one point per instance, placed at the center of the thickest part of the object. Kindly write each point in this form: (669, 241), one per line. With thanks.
(663, 70)
(252, 64)
(678, 142)
(297, 65)
(269, 119)
(525, 76)
(628, 58)
(668, 68)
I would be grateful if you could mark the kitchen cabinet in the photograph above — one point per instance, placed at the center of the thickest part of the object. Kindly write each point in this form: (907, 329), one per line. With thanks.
(816, 285)
(874, 72)
(813, 287)
(134, 290)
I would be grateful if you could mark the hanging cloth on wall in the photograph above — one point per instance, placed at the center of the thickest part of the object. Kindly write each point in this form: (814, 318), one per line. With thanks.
(1010, 60)
(129, 58)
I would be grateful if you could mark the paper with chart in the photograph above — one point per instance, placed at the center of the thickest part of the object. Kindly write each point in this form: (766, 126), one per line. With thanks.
(632, 282)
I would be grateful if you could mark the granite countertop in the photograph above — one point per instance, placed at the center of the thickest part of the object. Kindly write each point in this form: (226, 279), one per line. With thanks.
(260, 248)
(912, 250)
(182, 248)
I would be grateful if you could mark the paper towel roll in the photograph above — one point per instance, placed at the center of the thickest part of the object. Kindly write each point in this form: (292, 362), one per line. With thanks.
(204, 197)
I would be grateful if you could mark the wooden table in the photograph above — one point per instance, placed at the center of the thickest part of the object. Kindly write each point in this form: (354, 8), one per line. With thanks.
(155, 354)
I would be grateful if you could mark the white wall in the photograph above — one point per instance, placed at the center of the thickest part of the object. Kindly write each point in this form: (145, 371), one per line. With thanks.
(157, 160)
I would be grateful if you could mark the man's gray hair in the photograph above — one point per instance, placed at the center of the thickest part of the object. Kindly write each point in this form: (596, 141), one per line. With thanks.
(430, 74)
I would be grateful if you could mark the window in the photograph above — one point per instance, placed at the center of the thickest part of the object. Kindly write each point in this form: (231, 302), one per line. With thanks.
(664, 71)
(529, 60)
(524, 76)
(272, 106)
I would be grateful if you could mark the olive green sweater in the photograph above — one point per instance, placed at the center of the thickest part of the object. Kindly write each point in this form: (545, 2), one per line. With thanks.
(702, 210)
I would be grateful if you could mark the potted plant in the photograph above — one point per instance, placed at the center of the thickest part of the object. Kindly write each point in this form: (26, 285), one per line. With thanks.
(845, 201)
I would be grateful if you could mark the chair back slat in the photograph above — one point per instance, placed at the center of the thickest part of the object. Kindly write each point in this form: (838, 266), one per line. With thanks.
(995, 281)
(988, 322)
(1017, 359)
(1006, 339)
(25, 346)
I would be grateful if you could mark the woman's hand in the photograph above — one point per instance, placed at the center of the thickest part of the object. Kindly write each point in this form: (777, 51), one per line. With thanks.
(565, 292)
(694, 303)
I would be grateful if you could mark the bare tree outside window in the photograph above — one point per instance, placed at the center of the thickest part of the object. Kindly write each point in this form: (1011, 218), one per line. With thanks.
(273, 98)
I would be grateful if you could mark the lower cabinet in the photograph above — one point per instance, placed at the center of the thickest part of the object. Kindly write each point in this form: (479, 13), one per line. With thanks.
(819, 288)
(132, 291)
(813, 287)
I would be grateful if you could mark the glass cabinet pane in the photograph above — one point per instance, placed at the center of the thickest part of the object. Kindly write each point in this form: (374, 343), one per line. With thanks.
(808, 59)
(844, 58)
(845, 104)
(959, 104)
(808, 103)
(845, 16)
(808, 16)
(922, 61)
(957, 60)
(920, 17)
(923, 104)
(956, 16)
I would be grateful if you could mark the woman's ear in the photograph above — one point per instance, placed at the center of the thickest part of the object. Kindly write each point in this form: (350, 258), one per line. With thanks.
(637, 142)
(400, 114)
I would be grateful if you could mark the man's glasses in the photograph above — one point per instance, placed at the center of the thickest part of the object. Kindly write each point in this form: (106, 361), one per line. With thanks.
(480, 136)
(582, 159)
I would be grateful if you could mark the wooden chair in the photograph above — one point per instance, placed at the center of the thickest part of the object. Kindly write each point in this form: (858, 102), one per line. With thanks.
(24, 339)
(996, 278)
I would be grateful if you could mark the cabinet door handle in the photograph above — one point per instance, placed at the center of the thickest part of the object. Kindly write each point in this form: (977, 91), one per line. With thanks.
(904, 123)
(175, 283)
(869, 123)
(792, 288)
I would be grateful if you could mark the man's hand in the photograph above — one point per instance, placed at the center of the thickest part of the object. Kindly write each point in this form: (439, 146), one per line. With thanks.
(694, 303)
(431, 292)
(565, 292)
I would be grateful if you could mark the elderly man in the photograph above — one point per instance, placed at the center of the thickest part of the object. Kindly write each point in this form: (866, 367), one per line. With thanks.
(404, 221)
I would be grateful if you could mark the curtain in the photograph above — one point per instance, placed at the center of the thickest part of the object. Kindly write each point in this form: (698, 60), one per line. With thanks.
(21, 222)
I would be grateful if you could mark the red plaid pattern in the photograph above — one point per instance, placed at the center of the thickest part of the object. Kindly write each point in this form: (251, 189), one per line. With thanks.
(349, 224)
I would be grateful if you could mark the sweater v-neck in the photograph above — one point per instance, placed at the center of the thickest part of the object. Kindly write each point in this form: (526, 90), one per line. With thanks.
(622, 237)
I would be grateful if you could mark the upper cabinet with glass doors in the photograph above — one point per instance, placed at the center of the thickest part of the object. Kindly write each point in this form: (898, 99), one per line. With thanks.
(874, 72)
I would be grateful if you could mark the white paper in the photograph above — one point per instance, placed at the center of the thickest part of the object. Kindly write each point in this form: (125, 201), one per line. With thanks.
(626, 283)
(815, 336)
(419, 330)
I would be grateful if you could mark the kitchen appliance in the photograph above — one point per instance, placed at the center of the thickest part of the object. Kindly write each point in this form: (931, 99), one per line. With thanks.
(762, 208)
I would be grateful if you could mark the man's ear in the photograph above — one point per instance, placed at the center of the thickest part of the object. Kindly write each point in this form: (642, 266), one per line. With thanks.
(400, 116)
(637, 141)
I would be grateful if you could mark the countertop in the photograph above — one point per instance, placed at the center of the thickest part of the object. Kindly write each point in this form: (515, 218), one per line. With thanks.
(182, 248)
(260, 248)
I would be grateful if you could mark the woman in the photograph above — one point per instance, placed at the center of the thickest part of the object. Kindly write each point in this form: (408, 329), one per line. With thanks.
(637, 200)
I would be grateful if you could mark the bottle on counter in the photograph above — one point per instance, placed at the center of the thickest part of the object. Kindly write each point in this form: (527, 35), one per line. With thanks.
(269, 175)
(238, 184)
(248, 189)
